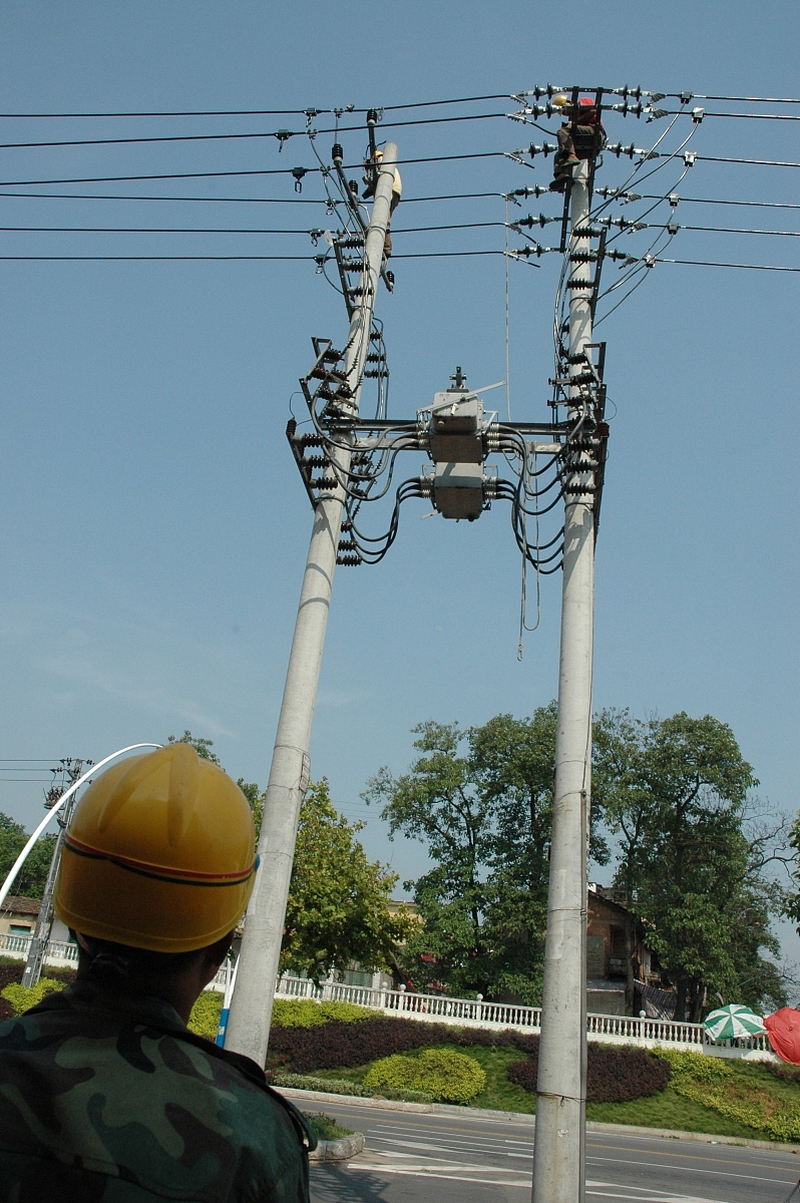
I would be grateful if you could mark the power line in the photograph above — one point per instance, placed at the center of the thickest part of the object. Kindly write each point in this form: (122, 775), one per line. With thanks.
(751, 116)
(697, 200)
(164, 230)
(754, 162)
(467, 225)
(281, 135)
(735, 230)
(742, 99)
(203, 175)
(758, 267)
(256, 112)
(155, 258)
(222, 258)
(238, 200)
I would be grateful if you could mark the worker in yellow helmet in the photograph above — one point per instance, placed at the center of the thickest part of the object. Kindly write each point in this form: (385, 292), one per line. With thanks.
(104, 1093)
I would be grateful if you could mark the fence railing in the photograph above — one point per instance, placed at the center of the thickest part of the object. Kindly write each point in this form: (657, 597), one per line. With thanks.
(57, 952)
(615, 1029)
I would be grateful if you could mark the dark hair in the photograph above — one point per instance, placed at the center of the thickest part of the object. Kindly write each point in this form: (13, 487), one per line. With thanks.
(118, 966)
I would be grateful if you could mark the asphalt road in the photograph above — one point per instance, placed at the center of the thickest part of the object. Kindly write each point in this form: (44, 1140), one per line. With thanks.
(466, 1159)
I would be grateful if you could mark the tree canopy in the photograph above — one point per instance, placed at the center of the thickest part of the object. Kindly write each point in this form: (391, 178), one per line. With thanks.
(691, 860)
(338, 910)
(673, 798)
(481, 800)
(30, 881)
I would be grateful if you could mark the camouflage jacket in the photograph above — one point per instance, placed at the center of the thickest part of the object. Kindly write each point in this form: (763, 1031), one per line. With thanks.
(106, 1099)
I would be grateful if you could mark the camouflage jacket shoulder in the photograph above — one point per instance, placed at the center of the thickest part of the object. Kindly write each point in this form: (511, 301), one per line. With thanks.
(104, 1099)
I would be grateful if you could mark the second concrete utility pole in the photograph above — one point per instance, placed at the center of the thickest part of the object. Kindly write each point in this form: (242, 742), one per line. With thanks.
(559, 1153)
(251, 1006)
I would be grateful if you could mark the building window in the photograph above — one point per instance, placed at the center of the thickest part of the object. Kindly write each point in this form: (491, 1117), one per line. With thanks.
(20, 929)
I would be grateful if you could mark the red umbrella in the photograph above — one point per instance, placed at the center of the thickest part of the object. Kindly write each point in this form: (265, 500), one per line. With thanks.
(784, 1034)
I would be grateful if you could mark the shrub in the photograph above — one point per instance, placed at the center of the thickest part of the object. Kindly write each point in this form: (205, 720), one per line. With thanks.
(449, 1076)
(344, 1086)
(326, 1126)
(307, 1013)
(204, 1019)
(615, 1075)
(343, 1045)
(22, 998)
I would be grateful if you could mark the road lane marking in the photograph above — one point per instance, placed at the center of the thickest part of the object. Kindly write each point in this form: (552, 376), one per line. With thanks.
(696, 1170)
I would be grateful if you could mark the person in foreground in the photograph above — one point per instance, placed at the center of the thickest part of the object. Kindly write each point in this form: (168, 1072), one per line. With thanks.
(104, 1093)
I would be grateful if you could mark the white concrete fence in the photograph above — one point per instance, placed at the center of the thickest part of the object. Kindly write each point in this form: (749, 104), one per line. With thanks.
(64, 955)
(467, 1012)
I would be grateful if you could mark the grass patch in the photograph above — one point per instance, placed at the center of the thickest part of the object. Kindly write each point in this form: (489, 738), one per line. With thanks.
(670, 1110)
(667, 1109)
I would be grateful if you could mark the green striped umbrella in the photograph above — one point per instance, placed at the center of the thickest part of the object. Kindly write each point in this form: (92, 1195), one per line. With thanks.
(733, 1022)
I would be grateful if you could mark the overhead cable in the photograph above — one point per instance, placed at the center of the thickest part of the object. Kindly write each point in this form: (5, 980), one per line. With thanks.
(756, 267)
(243, 200)
(203, 175)
(698, 200)
(281, 135)
(751, 116)
(256, 112)
(752, 162)
(225, 258)
(742, 99)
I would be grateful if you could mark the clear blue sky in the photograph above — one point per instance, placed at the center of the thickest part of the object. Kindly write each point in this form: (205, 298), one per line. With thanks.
(154, 528)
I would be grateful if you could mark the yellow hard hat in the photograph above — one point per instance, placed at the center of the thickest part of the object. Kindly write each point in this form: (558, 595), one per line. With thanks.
(560, 100)
(159, 854)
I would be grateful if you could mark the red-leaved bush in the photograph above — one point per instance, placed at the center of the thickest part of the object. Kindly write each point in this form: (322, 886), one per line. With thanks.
(614, 1074)
(337, 1045)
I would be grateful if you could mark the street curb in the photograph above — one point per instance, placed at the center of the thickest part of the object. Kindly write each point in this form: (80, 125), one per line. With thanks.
(338, 1150)
(517, 1116)
(321, 1096)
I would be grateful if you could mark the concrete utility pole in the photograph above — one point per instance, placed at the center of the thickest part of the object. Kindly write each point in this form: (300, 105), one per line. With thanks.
(251, 1006)
(44, 921)
(559, 1149)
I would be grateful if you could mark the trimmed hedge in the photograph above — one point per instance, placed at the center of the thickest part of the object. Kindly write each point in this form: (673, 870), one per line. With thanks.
(448, 1076)
(339, 1045)
(615, 1075)
(22, 998)
(307, 1013)
(344, 1086)
(204, 1019)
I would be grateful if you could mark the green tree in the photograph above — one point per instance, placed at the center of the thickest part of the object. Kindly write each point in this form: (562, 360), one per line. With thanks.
(437, 803)
(30, 881)
(338, 912)
(481, 800)
(201, 746)
(678, 800)
(791, 907)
